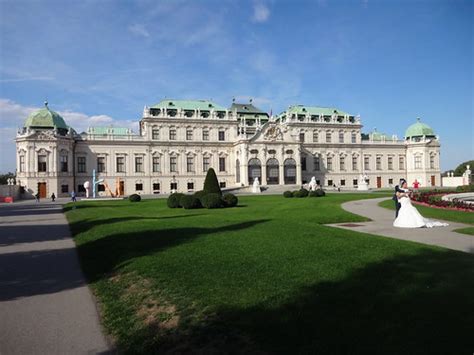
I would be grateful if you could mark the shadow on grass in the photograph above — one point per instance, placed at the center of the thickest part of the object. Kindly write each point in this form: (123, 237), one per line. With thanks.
(102, 256)
(408, 304)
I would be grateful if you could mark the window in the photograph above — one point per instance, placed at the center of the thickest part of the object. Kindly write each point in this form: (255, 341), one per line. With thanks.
(355, 182)
(301, 137)
(205, 134)
(315, 137)
(205, 164)
(401, 162)
(172, 134)
(100, 187)
(342, 183)
(173, 164)
(353, 137)
(189, 134)
(101, 164)
(174, 186)
(341, 137)
(328, 137)
(120, 164)
(342, 163)
(432, 161)
(330, 183)
(366, 162)
(222, 135)
(316, 164)
(303, 163)
(390, 163)
(221, 164)
(22, 163)
(81, 188)
(417, 161)
(156, 164)
(329, 163)
(42, 163)
(190, 186)
(190, 164)
(354, 163)
(81, 164)
(155, 134)
(390, 181)
(156, 186)
(139, 187)
(378, 162)
(222, 185)
(139, 164)
(64, 189)
(63, 163)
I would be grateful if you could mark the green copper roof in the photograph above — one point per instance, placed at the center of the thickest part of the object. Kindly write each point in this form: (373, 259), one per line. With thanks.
(315, 110)
(115, 131)
(45, 118)
(203, 105)
(419, 129)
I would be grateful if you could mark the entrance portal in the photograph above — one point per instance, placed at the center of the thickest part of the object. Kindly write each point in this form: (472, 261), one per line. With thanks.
(290, 171)
(255, 170)
(42, 189)
(273, 172)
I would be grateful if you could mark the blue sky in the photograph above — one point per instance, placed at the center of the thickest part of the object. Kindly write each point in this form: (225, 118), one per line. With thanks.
(99, 62)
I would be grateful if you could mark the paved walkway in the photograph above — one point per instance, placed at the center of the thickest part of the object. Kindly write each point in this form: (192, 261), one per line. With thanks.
(45, 304)
(382, 224)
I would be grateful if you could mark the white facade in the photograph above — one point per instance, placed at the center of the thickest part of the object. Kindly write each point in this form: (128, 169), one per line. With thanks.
(174, 153)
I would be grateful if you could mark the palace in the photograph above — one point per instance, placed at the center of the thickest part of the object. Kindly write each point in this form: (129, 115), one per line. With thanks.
(179, 140)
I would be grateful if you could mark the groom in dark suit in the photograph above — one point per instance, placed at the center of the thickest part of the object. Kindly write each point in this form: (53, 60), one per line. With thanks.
(395, 196)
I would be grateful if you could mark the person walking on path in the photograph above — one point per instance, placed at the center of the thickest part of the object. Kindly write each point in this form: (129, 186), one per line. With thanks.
(37, 196)
(73, 196)
(53, 197)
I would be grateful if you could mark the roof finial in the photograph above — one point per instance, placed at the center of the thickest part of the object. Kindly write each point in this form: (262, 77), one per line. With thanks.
(46, 103)
(251, 100)
(233, 99)
(418, 119)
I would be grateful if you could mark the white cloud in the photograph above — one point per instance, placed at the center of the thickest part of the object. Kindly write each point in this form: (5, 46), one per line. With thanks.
(13, 115)
(261, 12)
(139, 30)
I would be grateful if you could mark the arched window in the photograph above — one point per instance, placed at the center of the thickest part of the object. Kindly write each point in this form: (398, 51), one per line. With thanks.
(273, 172)
(290, 171)
(255, 170)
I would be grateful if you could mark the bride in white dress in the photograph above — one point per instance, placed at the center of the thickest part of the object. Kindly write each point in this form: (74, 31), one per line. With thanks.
(409, 217)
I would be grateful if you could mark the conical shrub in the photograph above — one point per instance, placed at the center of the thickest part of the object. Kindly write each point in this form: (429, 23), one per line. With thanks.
(211, 185)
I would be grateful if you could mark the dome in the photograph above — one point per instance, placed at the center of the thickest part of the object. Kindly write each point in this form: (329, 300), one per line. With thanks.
(419, 129)
(45, 118)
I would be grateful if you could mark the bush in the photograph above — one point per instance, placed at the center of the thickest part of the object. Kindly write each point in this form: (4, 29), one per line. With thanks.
(313, 194)
(199, 194)
(174, 200)
(288, 194)
(211, 185)
(296, 193)
(230, 200)
(212, 200)
(189, 202)
(134, 198)
(465, 188)
(320, 193)
(304, 192)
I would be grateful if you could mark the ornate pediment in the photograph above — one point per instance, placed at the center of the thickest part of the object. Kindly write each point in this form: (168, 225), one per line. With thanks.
(274, 132)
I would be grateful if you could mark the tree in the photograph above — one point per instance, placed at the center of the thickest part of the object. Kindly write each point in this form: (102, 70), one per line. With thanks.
(211, 184)
(4, 178)
(461, 168)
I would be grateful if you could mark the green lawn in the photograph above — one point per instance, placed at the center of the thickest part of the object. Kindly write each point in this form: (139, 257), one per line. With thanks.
(267, 277)
(437, 213)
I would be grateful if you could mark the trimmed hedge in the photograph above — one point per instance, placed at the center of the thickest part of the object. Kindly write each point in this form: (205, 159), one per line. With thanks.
(174, 200)
(134, 198)
(189, 202)
(288, 194)
(211, 184)
(230, 200)
(212, 200)
(465, 188)
(312, 194)
(320, 193)
(304, 192)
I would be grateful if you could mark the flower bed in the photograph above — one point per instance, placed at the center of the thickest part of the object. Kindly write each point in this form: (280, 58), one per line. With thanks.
(433, 199)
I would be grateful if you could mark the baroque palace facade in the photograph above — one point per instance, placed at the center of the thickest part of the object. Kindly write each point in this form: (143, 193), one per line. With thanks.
(179, 140)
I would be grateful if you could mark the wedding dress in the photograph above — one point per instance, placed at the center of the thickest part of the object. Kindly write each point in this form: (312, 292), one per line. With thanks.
(409, 217)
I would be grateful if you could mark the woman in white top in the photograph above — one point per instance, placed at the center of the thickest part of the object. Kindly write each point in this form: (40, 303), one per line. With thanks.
(408, 216)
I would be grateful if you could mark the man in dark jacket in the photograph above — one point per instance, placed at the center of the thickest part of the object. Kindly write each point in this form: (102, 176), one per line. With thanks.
(395, 196)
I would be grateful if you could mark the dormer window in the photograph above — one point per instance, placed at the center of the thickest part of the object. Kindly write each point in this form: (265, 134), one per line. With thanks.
(205, 114)
(210, 105)
(172, 113)
(189, 113)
